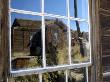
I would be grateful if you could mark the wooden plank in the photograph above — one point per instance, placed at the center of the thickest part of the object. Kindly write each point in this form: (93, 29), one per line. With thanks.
(105, 4)
(106, 79)
(96, 69)
(5, 40)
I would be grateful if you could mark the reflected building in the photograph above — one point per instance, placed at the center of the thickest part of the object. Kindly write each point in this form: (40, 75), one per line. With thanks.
(22, 31)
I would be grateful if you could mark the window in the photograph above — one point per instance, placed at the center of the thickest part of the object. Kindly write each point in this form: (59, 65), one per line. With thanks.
(50, 37)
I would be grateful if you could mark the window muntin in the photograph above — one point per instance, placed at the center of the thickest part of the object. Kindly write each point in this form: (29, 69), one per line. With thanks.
(45, 68)
(70, 75)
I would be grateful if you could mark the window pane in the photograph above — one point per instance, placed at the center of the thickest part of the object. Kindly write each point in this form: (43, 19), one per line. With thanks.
(55, 7)
(57, 76)
(77, 75)
(71, 7)
(80, 48)
(26, 78)
(81, 8)
(26, 41)
(56, 41)
(30, 5)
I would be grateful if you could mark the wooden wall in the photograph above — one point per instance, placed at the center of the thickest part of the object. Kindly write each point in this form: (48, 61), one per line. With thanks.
(104, 15)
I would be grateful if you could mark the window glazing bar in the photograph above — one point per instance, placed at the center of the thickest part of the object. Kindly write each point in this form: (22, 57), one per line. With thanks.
(9, 12)
(88, 2)
(24, 12)
(30, 71)
(45, 14)
(43, 37)
(87, 74)
(66, 76)
(40, 77)
(69, 32)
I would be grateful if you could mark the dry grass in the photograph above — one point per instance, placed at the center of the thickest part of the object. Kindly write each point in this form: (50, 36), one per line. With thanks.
(62, 58)
(76, 55)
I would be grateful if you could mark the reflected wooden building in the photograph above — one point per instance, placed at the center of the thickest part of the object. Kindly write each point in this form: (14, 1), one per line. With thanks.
(22, 30)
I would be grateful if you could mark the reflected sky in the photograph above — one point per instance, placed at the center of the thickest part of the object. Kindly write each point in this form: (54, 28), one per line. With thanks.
(55, 7)
(58, 7)
(83, 26)
(30, 5)
(82, 8)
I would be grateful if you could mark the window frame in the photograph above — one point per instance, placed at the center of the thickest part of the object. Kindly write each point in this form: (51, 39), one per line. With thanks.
(45, 68)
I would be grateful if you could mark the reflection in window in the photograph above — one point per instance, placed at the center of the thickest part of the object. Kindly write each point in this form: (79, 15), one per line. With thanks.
(79, 42)
(30, 5)
(66, 42)
(77, 75)
(56, 41)
(57, 76)
(55, 7)
(26, 78)
(80, 7)
(26, 41)
(74, 75)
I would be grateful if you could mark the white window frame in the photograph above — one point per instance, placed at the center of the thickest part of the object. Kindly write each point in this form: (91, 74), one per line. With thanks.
(44, 69)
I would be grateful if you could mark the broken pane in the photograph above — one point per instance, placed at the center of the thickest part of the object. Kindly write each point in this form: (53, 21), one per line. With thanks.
(56, 41)
(26, 44)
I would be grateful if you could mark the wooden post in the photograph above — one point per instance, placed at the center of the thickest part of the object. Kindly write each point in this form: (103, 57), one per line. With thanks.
(4, 41)
(1, 63)
(96, 68)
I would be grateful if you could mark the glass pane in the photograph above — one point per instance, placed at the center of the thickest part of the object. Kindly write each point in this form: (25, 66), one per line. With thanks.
(56, 41)
(55, 7)
(26, 45)
(80, 9)
(71, 7)
(77, 75)
(30, 5)
(26, 78)
(80, 47)
(57, 76)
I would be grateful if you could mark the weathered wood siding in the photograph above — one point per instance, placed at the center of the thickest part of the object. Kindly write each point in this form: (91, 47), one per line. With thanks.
(4, 50)
(105, 36)
(96, 68)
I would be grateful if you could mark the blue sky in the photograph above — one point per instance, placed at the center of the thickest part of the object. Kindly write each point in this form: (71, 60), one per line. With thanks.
(51, 6)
